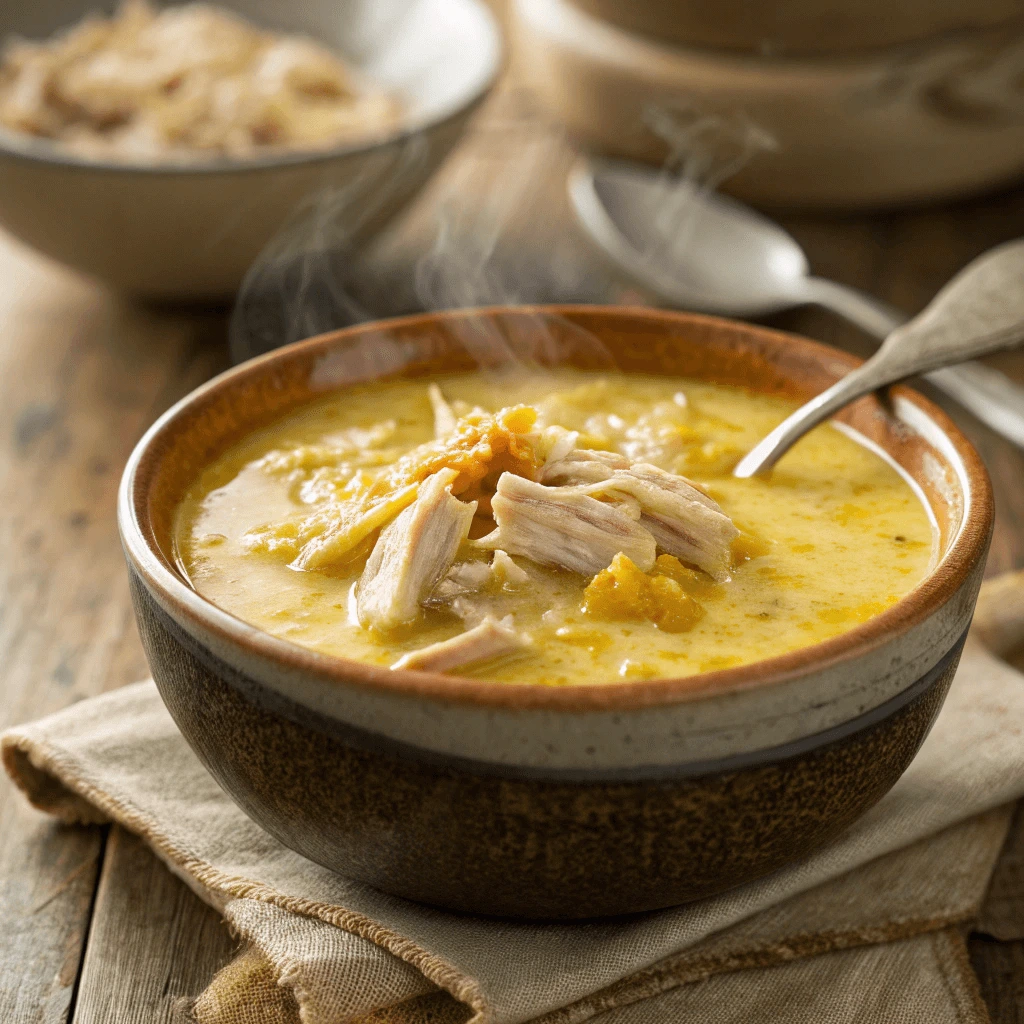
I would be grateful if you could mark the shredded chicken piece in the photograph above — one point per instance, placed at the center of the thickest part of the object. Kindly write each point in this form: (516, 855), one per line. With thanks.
(625, 503)
(183, 81)
(326, 536)
(563, 526)
(461, 579)
(506, 572)
(412, 554)
(489, 640)
(582, 466)
(673, 482)
(555, 442)
(444, 416)
(461, 590)
(682, 519)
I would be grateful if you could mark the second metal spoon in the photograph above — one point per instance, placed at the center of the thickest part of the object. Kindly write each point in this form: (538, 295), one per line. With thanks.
(981, 310)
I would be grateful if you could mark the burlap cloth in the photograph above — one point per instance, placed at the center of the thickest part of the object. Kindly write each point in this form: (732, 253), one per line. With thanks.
(868, 929)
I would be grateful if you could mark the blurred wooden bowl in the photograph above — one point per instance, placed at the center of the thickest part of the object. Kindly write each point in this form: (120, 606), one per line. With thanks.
(906, 124)
(795, 27)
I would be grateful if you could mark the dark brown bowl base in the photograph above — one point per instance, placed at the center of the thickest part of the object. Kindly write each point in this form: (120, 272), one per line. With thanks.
(492, 840)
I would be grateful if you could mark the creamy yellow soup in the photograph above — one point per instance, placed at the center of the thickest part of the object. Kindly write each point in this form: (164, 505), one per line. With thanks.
(835, 535)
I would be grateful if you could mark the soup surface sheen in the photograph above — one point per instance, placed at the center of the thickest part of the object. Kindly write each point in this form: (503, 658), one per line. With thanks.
(832, 538)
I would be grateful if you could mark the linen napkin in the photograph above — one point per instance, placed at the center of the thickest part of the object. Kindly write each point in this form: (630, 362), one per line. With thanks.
(866, 929)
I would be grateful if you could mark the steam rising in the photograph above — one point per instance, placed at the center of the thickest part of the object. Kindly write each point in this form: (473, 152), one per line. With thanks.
(493, 228)
(704, 151)
(306, 280)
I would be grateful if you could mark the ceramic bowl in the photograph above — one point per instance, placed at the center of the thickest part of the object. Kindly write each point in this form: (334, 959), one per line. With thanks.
(190, 232)
(534, 801)
(928, 119)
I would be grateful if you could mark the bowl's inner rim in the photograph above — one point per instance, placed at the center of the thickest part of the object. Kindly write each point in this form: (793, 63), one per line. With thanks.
(484, 50)
(907, 412)
(923, 417)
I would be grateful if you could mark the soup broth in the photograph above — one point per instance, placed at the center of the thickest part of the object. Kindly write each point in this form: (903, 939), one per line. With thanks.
(833, 537)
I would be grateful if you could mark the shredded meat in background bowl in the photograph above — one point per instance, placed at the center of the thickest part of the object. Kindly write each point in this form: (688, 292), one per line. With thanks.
(186, 82)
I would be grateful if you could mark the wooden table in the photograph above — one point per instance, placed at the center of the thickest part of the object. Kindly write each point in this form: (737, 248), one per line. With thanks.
(92, 928)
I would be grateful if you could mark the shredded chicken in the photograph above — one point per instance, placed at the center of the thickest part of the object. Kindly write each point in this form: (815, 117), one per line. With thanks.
(674, 483)
(563, 526)
(582, 466)
(482, 447)
(506, 572)
(489, 640)
(682, 519)
(326, 536)
(691, 543)
(183, 81)
(553, 442)
(471, 590)
(461, 579)
(413, 553)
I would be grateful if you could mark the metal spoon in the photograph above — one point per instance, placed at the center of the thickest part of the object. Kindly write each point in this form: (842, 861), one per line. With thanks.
(693, 248)
(980, 311)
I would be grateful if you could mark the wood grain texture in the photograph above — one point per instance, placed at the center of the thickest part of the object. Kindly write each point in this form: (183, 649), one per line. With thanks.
(81, 375)
(46, 891)
(1000, 970)
(153, 944)
(1003, 914)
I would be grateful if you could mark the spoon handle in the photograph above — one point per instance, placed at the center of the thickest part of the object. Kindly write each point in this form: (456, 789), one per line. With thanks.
(986, 393)
(769, 450)
(871, 315)
(981, 310)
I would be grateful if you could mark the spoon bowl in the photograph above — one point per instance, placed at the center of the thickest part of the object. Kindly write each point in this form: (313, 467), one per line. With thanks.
(651, 225)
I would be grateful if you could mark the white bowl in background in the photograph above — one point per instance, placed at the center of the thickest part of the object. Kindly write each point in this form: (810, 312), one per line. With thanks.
(190, 231)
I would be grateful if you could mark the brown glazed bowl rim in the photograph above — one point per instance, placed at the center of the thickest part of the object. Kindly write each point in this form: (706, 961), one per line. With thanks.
(170, 588)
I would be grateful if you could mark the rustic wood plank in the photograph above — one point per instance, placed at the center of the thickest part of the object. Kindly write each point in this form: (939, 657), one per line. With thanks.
(153, 944)
(1003, 914)
(1000, 970)
(81, 376)
(999, 965)
(46, 892)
